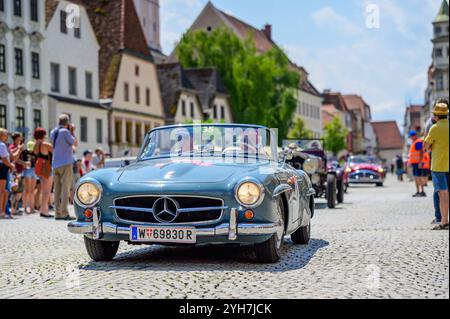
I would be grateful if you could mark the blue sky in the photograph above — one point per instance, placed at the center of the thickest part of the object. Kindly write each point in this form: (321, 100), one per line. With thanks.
(386, 65)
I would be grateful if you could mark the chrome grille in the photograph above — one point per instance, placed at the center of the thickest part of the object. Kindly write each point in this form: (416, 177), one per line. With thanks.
(190, 210)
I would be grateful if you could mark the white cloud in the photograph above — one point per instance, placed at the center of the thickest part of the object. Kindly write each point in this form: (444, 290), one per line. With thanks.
(330, 19)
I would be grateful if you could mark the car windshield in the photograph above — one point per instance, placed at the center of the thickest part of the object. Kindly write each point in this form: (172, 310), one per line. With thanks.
(364, 160)
(312, 144)
(209, 141)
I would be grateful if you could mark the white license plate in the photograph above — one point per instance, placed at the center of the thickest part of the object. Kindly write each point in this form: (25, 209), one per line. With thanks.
(179, 235)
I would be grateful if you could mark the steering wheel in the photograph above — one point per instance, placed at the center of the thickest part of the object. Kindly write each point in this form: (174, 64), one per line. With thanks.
(236, 149)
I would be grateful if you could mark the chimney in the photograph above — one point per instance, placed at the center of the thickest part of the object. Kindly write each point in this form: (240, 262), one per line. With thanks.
(268, 31)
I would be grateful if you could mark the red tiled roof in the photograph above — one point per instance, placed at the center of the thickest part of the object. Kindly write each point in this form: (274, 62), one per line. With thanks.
(336, 99)
(329, 111)
(118, 29)
(356, 102)
(388, 135)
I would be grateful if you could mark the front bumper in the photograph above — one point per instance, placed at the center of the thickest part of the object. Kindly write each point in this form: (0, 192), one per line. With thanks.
(225, 232)
(365, 177)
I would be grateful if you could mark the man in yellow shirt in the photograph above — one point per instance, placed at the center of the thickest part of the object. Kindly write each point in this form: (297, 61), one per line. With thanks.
(438, 142)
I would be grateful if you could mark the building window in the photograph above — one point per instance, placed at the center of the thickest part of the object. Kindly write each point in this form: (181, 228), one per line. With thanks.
(2, 58)
(55, 77)
(129, 132)
(440, 82)
(439, 53)
(99, 131)
(437, 30)
(72, 81)
(20, 117)
(84, 129)
(2, 5)
(183, 108)
(215, 112)
(192, 110)
(3, 116)
(19, 61)
(138, 133)
(126, 92)
(137, 92)
(136, 70)
(35, 65)
(222, 112)
(118, 131)
(147, 97)
(18, 8)
(63, 21)
(88, 85)
(37, 119)
(77, 31)
(34, 10)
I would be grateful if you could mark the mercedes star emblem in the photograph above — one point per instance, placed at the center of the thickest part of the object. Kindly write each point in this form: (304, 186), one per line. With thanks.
(165, 210)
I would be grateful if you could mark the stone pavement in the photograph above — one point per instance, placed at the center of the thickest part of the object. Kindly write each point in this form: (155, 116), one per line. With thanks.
(377, 245)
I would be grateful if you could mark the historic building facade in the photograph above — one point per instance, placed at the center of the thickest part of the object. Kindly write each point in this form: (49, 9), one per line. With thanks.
(23, 99)
(72, 56)
(128, 76)
(438, 73)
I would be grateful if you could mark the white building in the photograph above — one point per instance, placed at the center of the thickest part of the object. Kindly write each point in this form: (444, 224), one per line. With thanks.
(72, 57)
(23, 105)
(438, 74)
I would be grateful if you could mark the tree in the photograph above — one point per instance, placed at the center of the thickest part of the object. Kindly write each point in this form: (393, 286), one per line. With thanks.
(262, 88)
(335, 136)
(299, 131)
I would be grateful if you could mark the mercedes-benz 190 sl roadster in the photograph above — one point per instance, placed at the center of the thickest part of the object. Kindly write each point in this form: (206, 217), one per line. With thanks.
(197, 184)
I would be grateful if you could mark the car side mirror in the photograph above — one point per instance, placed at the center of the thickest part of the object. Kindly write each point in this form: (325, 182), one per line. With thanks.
(126, 163)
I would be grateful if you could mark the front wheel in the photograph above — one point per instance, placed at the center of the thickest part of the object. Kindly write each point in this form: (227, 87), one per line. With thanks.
(101, 250)
(379, 184)
(270, 250)
(331, 191)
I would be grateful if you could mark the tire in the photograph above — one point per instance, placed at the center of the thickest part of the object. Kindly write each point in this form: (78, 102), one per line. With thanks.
(340, 192)
(379, 184)
(302, 235)
(269, 252)
(331, 191)
(101, 250)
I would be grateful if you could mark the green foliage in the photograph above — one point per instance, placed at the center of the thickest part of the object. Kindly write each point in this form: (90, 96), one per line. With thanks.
(261, 86)
(299, 131)
(335, 136)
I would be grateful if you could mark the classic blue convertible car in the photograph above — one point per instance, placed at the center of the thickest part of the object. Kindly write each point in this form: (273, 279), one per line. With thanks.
(197, 184)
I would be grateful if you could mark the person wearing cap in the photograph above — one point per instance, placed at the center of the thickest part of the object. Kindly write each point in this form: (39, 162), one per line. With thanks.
(437, 141)
(416, 162)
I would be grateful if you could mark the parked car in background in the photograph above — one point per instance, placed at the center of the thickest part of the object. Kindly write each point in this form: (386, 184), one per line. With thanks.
(328, 179)
(197, 184)
(362, 169)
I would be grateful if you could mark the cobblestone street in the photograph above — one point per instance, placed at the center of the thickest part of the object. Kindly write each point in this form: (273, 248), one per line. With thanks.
(377, 245)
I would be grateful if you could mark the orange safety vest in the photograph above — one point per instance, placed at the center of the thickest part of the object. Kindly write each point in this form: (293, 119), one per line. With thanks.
(414, 155)
(426, 161)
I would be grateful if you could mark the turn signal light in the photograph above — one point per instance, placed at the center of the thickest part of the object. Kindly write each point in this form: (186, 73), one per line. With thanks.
(88, 213)
(249, 214)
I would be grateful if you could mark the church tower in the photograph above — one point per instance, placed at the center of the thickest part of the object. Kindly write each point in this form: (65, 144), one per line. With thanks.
(148, 11)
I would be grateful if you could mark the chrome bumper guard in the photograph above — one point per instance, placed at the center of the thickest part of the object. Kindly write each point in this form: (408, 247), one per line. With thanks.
(232, 229)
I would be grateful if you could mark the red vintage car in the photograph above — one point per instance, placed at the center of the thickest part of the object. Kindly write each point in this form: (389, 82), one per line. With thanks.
(364, 169)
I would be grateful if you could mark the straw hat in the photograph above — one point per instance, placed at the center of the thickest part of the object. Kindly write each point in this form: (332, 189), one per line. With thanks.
(440, 109)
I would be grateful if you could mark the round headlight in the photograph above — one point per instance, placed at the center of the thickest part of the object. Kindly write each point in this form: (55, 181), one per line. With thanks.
(310, 166)
(88, 194)
(249, 194)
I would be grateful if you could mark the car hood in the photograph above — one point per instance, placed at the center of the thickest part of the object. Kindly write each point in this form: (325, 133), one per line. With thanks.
(185, 171)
